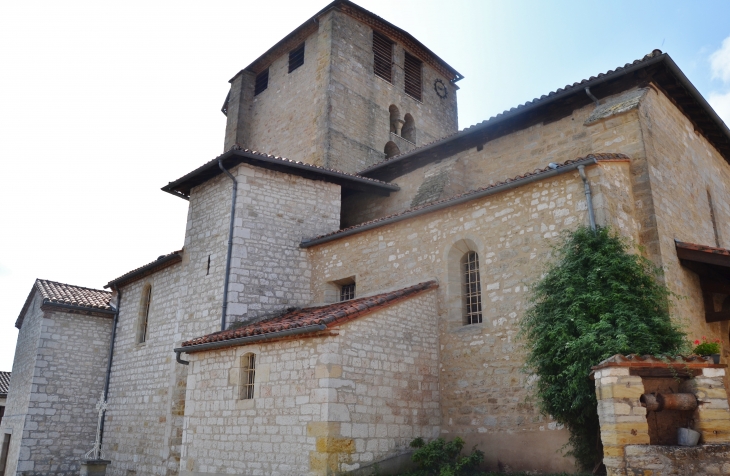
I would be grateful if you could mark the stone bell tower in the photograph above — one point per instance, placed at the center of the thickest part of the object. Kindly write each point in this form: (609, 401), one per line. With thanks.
(345, 90)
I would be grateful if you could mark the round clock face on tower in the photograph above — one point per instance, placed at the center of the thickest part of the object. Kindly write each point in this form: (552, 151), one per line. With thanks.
(440, 88)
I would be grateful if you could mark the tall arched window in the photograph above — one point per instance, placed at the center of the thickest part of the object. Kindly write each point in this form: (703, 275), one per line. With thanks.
(248, 376)
(409, 128)
(391, 150)
(144, 313)
(472, 288)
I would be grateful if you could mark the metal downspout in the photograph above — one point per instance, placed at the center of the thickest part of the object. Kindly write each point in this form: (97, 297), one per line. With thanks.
(230, 245)
(589, 198)
(109, 362)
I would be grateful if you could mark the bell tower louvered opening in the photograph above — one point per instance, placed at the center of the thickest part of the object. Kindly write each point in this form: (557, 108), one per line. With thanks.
(414, 82)
(383, 52)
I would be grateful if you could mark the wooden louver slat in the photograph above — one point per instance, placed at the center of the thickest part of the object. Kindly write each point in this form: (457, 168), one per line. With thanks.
(383, 52)
(262, 82)
(413, 83)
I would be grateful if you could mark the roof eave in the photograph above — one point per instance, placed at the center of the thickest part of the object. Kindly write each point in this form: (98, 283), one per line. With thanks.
(150, 268)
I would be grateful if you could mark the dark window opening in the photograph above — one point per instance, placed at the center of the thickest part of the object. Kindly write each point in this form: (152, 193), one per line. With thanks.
(413, 69)
(714, 220)
(391, 150)
(296, 57)
(262, 82)
(145, 314)
(472, 288)
(347, 292)
(4, 453)
(383, 50)
(207, 271)
(248, 376)
(409, 128)
(480, 148)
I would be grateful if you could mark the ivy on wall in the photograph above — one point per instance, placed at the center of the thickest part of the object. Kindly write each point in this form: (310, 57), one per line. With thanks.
(595, 300)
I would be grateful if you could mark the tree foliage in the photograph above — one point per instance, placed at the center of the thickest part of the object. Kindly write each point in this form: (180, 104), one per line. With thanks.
(594, 301)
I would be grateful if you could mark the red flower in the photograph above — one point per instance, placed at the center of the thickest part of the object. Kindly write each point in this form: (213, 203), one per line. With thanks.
(697, 342)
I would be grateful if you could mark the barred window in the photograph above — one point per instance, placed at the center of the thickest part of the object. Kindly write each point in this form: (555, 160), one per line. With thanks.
(248, 374)
(472, 288)
(383, 51)
(262, 82)
(296, 57)
(413, 82)
(347, 292)
(144, 314)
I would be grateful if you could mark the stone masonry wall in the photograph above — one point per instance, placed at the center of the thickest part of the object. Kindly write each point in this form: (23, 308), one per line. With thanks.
(508, 156)
(321, 404)
(682, 167)
(359, 101)
(59, 385)
(484, 393)
(21, 388)
(269, 273)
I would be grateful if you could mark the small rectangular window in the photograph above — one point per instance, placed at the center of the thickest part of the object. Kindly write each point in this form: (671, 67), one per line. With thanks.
(296, 57)
(262, 82)
(383, 51)
(413, 68)
(472, 288)
(144, 314)
(248, 376)
(347, 292)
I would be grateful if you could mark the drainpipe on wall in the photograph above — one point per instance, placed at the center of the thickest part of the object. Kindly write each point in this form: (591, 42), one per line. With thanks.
(109, 361)
(230, 245)
(589, 198)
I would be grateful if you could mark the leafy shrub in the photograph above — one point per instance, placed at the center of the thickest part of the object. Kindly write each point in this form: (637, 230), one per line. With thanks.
(707, 347)
(442, 458)
(594, 301)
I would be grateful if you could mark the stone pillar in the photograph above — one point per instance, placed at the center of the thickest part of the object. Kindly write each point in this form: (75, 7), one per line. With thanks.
(622, 418)
(712, 417)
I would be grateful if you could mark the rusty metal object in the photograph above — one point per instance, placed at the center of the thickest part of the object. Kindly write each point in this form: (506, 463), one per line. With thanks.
(671, 401)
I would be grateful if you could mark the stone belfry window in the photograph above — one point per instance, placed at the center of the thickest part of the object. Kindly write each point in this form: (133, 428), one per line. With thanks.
(472, 288)
(296, 57)
(383, 52)
(262, 82)
(413, 67)
(248, 376)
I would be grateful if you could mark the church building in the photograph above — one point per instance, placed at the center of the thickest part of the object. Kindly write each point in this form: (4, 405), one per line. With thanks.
(354, 267)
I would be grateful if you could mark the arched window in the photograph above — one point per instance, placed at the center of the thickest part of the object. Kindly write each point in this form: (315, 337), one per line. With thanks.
(144, 313)
(391, 150)
(472, 288)
(248, 376)
(409, 128)
(396, 123)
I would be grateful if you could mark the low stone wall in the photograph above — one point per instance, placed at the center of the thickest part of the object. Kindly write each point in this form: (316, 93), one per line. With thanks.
(654, 460)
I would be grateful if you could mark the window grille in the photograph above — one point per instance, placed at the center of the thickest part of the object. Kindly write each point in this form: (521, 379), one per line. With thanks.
(296, 57)
(347, 292)
(262, 82)
(413, 68)
(144, 318)
(248, 374)
(472, 288)
(383, 50)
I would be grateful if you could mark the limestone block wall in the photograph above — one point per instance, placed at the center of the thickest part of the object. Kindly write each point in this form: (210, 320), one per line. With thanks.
(511, 155)
(359, 100)
(21, 388)
(484, 393)
(321, 404)
(60, 378)
(682, 168)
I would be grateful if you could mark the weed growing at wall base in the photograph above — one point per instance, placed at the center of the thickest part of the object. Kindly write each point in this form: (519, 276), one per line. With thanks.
(595, 300)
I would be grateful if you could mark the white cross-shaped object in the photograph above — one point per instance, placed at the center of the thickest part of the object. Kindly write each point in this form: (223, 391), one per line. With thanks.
(95, 452)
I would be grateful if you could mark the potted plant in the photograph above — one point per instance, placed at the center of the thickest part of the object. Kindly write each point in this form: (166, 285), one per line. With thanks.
(708, 348)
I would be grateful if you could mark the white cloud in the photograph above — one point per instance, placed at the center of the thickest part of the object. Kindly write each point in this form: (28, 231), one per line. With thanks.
(721, 104)
(720, 62)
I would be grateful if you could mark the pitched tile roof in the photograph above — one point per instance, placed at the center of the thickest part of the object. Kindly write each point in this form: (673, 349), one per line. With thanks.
(67, 296)
(659, 68)
(237, 155)
(327, 316)
(4, 383)
(160, 263)
(525, 178)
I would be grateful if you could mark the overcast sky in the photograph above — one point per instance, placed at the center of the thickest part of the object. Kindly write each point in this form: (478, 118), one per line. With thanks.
(102, 103)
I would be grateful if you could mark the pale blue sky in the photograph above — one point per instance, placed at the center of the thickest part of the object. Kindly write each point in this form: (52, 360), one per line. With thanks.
(102, 104)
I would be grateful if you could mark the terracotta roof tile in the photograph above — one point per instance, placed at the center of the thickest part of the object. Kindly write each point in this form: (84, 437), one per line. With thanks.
(703, 248)
(161, 262)
(643, 361)
(4, 383)
(600, 157)
(329, 316)
(67, 295)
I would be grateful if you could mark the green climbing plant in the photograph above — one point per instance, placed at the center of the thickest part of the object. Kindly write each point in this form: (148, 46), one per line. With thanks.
(595, 300)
